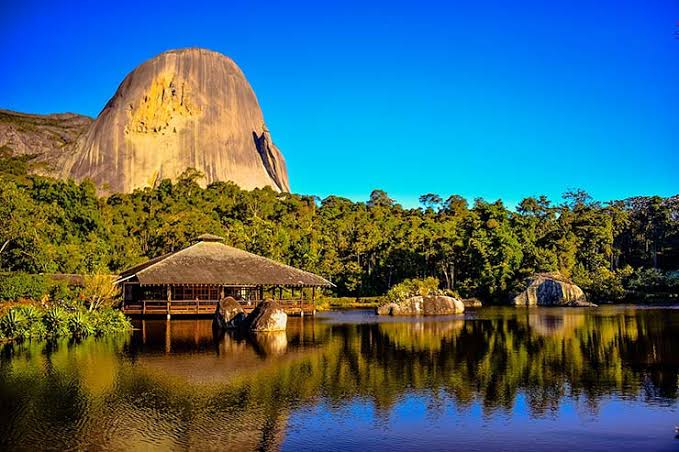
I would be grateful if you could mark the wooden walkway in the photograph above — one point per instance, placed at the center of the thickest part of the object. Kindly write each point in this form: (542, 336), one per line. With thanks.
(207, 307)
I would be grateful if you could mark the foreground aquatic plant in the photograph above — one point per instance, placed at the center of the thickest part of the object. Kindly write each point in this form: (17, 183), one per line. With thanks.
(55, 321)
(13, 324)
(79, 325)
(26, 322)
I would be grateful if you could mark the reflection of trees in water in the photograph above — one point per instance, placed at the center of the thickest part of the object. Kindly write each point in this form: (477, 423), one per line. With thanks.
(418, 336)
(238, 391)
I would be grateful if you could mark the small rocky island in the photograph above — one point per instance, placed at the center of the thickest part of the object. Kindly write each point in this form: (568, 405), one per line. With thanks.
(551, 289)
(267, 316)
(423, 305)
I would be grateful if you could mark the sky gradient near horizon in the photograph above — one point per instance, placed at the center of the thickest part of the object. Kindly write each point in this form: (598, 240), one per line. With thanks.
(492, 99)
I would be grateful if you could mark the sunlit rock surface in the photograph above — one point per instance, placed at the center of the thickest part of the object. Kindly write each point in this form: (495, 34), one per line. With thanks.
(429, 305)
(47, 137)
(267, 316)
(183, 108)
(550, 289)
(228, 314)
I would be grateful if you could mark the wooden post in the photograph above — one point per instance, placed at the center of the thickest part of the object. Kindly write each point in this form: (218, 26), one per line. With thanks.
(169, 300)
(313, 301)
(124, 295)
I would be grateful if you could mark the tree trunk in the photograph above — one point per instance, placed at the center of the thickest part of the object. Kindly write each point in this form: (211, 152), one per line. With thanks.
(445, 274)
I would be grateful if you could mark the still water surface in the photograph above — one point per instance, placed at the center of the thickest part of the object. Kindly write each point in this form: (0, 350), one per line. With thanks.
(493, 379)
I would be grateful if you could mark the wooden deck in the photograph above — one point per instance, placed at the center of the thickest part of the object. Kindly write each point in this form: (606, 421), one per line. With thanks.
(207, 307)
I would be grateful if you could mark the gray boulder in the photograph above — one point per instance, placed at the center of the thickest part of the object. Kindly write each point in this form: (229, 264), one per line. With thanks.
(267, 316)
(387, 309)
(228, 314)
(550, 289)
(418, 305)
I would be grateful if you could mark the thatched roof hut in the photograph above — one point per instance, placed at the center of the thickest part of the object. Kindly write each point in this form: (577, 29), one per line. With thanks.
(209, 269)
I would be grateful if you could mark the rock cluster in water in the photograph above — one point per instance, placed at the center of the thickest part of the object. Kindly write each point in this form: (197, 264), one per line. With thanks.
(267, 316)
(550, 289)
(418, 305)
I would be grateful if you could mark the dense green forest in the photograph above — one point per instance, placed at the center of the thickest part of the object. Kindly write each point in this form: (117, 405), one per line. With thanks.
(615, 250)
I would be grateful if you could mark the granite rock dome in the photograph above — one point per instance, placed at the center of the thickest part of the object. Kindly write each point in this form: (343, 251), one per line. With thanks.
(183, 108)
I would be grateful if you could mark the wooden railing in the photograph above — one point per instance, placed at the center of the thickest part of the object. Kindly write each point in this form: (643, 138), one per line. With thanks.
(207, 307)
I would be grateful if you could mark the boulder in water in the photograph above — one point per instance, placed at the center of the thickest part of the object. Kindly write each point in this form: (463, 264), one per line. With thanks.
(550, 289)
(267, 316)
(418, 305)
(228, 314)
(441, 305)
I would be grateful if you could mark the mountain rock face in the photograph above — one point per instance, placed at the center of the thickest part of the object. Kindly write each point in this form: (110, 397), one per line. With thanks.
(48, 137)
(183, 108)
(188, 108)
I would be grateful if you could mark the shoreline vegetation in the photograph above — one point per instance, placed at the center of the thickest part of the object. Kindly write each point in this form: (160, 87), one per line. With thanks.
(43, 308)
(617, 252)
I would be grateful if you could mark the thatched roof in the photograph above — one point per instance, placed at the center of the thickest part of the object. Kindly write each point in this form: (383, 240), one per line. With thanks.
(211, 262)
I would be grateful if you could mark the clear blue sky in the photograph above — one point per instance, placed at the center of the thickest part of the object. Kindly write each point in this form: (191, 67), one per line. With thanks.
(497, 99)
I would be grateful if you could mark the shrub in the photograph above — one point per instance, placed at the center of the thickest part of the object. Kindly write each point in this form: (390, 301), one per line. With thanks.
(26, 321)
(100, 292)
(13, 325)
(14, 286)
(606, 285)
(56, 322)
(109, 321)
(79, 324)
(649, 281)
(413, 287)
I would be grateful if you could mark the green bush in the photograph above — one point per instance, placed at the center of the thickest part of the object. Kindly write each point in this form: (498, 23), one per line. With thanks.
(33, 318)
(55, 320)
(13, 325)
(79, 324)
(24, 322)
(109, 321)
(14, 286)
(413, 287)
(605, 285)
(645, 281)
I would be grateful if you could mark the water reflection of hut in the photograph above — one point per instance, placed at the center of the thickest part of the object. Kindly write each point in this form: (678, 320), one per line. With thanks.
(192, 280)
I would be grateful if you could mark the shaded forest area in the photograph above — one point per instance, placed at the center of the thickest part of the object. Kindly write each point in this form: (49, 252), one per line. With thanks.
(618, 250)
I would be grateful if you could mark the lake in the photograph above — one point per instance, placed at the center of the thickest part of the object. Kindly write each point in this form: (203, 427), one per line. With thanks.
(492, 379)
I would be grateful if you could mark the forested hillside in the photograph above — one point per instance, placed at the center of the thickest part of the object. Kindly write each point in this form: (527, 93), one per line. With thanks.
(483, 249)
